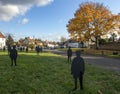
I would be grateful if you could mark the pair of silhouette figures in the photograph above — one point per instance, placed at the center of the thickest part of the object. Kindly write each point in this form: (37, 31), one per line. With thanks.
(77, 67)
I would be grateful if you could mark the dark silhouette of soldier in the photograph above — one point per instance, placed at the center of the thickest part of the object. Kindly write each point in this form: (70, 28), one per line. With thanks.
(40, 49)
(37, 49)
(77, 69)
(27, 49)
(13, 55)
(21, 49)
(9, 49)
(69, 54)
(4, 49)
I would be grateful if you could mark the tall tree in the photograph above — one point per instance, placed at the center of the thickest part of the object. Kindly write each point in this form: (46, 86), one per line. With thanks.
(63, 39)
(91, 20)
(9, 39)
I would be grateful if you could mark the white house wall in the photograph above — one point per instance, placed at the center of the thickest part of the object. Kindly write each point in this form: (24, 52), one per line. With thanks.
(2, 42)
(73, 45)
(77, 45)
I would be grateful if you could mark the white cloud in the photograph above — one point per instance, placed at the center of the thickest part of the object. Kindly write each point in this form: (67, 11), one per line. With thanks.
(43, 2)
(8, 11)
(13, 8)
(24, 21)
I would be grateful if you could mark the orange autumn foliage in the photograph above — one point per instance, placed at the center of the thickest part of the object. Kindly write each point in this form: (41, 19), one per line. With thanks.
(92, 20)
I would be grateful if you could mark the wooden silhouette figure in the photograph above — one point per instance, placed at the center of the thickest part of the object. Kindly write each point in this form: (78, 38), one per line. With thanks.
(77, 69)
(13, 55)
(69, 54)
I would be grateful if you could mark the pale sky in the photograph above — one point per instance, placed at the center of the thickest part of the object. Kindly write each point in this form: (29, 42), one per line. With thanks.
(44, 19)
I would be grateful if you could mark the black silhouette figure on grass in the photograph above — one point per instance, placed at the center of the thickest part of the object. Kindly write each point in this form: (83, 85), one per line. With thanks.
(26, 49)
(37, 50)
(77, 70)
(4, 49)
(9, 49)
(13, 55)
(69, 54)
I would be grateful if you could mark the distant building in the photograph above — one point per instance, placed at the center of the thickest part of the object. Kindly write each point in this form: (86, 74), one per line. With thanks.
(51, 44)
(2, 40)
(28, 41)
(74, 44)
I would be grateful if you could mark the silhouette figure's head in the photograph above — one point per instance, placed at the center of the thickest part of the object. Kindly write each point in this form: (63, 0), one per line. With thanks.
(69, 47)
(14, 47)
(78, 53)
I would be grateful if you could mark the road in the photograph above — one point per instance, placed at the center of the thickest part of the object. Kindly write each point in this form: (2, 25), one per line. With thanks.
(104, 62)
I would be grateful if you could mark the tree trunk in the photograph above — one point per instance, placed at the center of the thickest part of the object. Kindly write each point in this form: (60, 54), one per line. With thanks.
(96, 43)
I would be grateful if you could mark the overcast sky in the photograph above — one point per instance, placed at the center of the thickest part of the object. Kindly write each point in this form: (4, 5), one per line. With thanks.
(45, 19)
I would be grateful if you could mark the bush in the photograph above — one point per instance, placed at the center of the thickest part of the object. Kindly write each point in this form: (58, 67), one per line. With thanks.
(31, 46)
(115, 53)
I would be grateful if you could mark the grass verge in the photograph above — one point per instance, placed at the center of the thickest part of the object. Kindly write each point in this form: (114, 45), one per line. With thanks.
(50, 74)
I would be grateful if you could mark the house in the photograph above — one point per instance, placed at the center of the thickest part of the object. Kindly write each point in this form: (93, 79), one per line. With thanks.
(2, 40)
(74, 44)
(28, 41)
(71, 43)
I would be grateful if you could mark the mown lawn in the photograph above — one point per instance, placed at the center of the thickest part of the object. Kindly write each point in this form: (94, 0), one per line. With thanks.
(50, 74)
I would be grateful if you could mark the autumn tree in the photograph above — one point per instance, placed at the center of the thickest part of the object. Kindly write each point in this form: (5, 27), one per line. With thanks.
(116, 23)
(9, 39)
(91, 21)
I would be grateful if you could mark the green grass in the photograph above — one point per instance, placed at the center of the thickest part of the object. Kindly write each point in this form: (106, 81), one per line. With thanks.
(50, 74)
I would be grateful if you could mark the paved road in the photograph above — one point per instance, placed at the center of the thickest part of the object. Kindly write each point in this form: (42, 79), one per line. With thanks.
(105, 62)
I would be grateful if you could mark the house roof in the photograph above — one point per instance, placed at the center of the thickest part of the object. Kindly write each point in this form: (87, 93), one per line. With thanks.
(1, 35)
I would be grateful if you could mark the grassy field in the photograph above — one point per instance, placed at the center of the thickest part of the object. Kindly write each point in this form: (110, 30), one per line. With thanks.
(50, 74)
